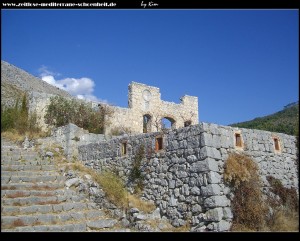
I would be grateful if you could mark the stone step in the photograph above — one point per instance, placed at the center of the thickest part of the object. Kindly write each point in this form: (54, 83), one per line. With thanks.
(32, 179)
(47, 208)
(31, 200)
(75, 227)
(20, 154)
(60, 218)
(21, 159)
(29, 173)
(22, 201)
(33, 186)
(27, 168)
(27, 193)
(24, 162)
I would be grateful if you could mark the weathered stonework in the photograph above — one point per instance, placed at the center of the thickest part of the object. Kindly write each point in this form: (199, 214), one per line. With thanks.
(146, 100)
(38, 104)
(185, 178)
(142, 100)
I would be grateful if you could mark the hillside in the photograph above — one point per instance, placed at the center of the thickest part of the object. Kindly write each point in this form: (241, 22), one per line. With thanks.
(15, 82)
(285, 121)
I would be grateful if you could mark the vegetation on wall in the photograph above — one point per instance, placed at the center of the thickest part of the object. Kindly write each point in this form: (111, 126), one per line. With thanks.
(285, 121)
(253, 210)
(248, 207)
(135, 175)
(62, 111)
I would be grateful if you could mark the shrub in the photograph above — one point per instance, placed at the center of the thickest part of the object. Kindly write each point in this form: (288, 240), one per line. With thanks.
(18, 118)
(288, 196)
(62, 111)
(135, 175)
(249, 209)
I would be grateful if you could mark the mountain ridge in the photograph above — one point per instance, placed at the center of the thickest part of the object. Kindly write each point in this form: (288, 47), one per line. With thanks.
(284, 121)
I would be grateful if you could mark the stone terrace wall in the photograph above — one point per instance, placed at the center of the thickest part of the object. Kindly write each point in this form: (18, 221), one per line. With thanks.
(220, 140)
(185, 179)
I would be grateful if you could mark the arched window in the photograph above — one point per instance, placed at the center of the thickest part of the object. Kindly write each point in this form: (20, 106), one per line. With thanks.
(167, 123)
(187, 123)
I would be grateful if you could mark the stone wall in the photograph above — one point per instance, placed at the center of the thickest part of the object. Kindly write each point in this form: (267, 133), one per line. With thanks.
(37, 103)
(185, 178)
(69, 137)
(146, 100)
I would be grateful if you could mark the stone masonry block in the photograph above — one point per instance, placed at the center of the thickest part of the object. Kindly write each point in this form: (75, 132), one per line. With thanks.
(216, 201)
(211, 190)
(215, 214)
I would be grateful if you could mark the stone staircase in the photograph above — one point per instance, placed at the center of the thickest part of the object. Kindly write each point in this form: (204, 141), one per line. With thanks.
(34, 197)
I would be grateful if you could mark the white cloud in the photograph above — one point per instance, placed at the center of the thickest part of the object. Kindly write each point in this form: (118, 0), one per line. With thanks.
(44, 71)
(83, 88)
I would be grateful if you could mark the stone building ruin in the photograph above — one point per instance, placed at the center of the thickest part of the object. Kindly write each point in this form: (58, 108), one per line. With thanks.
(146, 111)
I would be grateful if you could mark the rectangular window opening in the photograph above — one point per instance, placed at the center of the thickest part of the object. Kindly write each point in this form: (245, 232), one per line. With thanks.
(276, 144)
(238, 140)
(158, 143)
(124, 148)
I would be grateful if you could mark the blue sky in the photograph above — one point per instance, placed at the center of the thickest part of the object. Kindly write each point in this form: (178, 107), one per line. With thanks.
(241, 64)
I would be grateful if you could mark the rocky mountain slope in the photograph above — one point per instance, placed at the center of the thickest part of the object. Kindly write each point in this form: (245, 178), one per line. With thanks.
(15, 82)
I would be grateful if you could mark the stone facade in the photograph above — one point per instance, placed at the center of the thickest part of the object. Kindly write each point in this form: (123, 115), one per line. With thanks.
(144, 100)
(185, 177)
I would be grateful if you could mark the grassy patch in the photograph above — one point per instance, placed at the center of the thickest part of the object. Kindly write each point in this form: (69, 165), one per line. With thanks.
(140, 204)
(114, 188)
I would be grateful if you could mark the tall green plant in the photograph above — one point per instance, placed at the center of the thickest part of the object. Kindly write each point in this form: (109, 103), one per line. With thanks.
(136, 176)
(18, 118)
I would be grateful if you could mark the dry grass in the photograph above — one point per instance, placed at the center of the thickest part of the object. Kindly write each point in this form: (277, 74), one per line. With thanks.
(239, 168)
(285, 221)
(140, 204)
(249, 209)
(114, 188)
(238, 227)
(14, 136)
(8, 188)
(170, 228)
